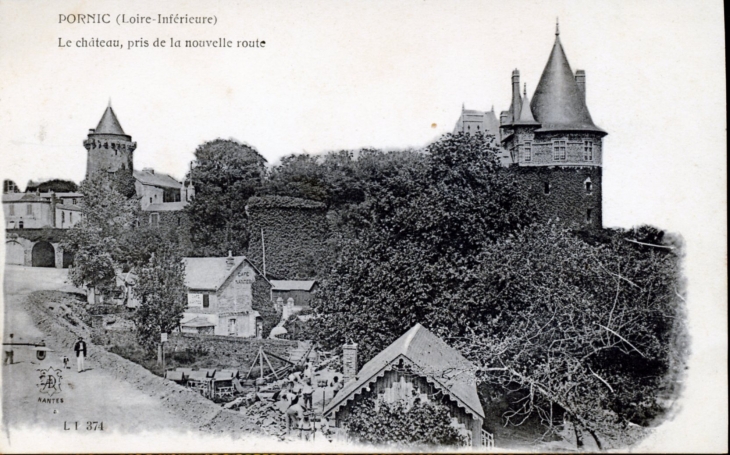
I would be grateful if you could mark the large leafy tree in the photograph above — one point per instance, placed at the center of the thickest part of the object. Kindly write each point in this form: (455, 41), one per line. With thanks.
(589, 329)
(161, 290)
(418, 233)
(107, 217)
(226, 174)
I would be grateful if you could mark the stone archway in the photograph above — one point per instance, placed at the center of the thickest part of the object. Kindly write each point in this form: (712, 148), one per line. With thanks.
(14, 253)
(43, 255)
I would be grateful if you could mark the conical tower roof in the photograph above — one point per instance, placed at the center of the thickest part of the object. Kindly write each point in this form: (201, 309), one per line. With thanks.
(558, 103)
(109, 124)
(526, 117)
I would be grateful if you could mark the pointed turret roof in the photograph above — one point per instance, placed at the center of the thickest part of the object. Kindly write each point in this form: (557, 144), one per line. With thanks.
(526, 117)
(558, 103)
(109, 123)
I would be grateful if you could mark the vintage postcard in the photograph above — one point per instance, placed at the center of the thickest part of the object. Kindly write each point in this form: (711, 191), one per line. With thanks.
(325, 226)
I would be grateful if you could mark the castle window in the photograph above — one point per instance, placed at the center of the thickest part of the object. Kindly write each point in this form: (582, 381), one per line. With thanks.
(20, 224)
(589, 213)
(150, 200)
(559, 150)
(528, 151)
(154, 219)
(28, 209)
(546, 188)
(589, 186)
(206, 300)
(12, 209)
(588, 151)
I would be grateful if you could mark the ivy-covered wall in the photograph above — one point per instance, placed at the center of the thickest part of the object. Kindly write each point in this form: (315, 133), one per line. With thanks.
(565, 194)
(295, 232)
(262, 303)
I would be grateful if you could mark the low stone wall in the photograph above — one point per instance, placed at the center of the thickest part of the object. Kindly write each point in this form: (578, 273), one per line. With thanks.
(239, 352)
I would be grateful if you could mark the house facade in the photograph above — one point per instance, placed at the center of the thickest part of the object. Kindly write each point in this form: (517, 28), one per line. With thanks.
(222, 296)
(417, 365)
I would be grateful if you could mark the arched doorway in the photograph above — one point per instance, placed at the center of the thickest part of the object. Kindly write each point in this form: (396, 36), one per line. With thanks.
(44, 255)
(68, 259)
(14, 253)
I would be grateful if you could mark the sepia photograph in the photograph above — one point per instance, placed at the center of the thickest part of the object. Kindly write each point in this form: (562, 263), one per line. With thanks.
(434, 225)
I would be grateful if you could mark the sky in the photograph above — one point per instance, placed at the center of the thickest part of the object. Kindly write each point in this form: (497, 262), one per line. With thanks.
(351, 74)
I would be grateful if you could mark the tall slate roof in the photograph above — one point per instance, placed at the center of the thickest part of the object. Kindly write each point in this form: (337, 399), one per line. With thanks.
(109, 123)
(526, 117)
(441, 364)
(558, 103)
(148, 177)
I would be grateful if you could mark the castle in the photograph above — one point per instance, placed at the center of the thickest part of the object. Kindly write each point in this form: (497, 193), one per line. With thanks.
(550, 143)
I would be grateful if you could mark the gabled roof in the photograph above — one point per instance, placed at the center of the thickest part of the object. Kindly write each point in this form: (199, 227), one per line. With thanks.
(147, 177)
(198, 322)
(209, 274)
(441, 364)
(292, 285)
(109, 123)
(558, 103)
(486, 120)
(23, 197)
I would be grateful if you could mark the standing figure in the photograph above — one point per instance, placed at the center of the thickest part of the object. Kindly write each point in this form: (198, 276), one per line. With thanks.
(80, 349)
(307, 392)
(9, 352)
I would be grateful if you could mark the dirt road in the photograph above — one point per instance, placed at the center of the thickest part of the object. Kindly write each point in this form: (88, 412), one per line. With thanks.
(95, 395)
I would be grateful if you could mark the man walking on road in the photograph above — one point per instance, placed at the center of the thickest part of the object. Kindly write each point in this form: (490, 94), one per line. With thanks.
(80, 348)
(9, 352)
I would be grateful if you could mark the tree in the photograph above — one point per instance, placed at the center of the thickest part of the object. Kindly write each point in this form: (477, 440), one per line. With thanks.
(162, 294)
(227, 173)
(402, 425)
(56, 185)
(417, 238)
(107, 216)
(585, 329)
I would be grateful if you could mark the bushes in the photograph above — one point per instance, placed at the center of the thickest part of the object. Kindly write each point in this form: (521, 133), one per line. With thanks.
(426, 424)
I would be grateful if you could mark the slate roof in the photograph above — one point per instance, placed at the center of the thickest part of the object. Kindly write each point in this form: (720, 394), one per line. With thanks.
(209, 273)
(558, 103)
(147, 177)
(165, 207)
(198, 321)
(292, 285)
(73, 207)
(441, 364)
(109, 124)
(23, 197)
(526, 117)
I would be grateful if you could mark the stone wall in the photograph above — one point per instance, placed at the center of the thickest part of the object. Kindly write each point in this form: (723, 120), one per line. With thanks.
(295, 232)
(562, 194)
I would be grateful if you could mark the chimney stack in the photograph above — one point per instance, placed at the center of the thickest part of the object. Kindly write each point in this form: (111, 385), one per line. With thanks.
(516, 98)
(349, 362)
(580, 79)
(229, 260)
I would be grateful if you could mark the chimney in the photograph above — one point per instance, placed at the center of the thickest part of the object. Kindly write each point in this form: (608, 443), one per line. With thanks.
(148, 169)
(229, 260)
(92, 130)
(349, 362)
(516, 98)
(580, 79)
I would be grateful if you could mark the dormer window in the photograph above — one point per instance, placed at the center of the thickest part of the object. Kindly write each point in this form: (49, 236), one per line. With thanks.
(559, 150)
(588, 151)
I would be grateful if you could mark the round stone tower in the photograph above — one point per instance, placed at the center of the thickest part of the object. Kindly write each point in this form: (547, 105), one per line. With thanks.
(109, 149)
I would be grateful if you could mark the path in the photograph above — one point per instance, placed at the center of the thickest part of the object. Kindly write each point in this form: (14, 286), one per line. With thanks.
(94, 395)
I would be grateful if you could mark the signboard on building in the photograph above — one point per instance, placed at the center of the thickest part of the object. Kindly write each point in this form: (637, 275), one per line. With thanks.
(195, 300)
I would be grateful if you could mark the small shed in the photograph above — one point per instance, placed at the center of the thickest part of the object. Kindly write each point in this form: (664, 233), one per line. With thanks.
(418, 364)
